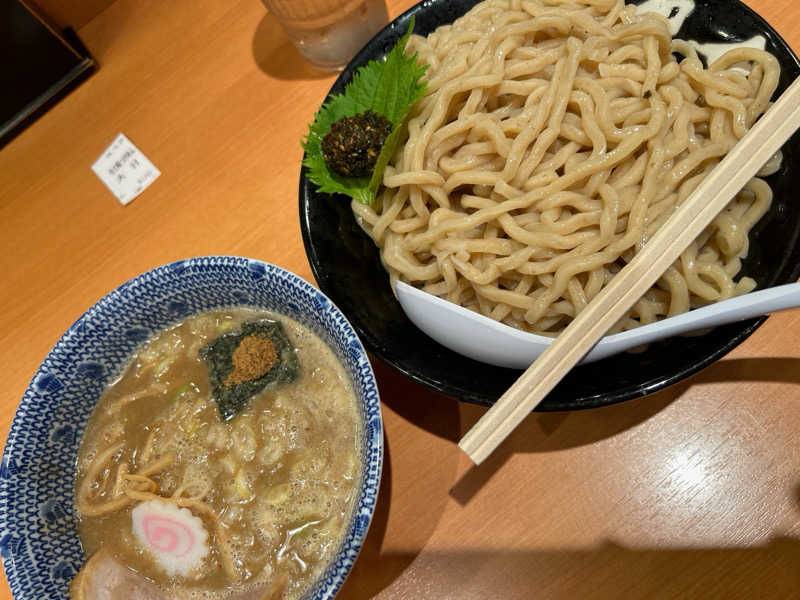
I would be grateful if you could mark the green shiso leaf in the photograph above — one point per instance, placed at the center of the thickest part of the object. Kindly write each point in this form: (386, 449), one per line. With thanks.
(389, 88)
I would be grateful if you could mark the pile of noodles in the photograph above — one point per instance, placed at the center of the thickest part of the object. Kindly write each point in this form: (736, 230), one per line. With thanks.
(554, 139)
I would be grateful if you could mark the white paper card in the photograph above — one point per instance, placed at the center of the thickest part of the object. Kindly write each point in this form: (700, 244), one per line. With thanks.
(125, 170)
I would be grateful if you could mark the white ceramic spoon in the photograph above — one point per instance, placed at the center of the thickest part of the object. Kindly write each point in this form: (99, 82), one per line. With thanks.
(486, 340)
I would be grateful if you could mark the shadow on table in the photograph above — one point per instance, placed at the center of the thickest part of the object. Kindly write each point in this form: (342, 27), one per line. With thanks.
(543, 432)
(607, 571)
(374, 570)
(429, 410)
(638, 573)
(784, 369)
(561, 430)
(366, 578)
(276, 56)
(549, 432)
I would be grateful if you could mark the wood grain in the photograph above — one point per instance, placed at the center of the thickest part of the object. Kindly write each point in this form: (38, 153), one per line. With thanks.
(693, 492)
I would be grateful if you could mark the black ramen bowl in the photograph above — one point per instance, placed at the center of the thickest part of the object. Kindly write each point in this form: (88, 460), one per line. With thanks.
(348, 269)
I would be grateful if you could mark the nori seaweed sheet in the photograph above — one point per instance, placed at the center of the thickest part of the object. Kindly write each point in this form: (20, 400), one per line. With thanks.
(218, 356)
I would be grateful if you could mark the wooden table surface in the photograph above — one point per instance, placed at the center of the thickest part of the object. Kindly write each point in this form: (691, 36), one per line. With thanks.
(691, 492)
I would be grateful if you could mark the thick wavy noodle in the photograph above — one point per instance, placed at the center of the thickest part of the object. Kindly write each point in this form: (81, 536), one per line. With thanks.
(554, 140)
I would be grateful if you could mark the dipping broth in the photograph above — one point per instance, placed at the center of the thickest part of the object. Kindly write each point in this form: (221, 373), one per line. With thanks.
(258, 502)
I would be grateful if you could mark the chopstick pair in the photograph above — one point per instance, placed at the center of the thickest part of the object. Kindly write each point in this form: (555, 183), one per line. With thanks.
(712, 195)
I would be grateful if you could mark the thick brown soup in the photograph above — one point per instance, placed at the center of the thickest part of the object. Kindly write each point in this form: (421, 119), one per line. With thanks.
(206, 507)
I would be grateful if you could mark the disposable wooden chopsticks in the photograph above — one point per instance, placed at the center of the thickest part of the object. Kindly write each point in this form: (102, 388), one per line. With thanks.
(698, 210)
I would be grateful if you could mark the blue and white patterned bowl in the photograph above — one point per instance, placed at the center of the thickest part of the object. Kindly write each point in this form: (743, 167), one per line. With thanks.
(38, 537)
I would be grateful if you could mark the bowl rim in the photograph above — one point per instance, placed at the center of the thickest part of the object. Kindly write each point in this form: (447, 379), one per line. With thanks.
(341, 562)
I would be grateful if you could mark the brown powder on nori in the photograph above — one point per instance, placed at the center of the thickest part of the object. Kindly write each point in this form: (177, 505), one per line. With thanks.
(253, 357)
(236, 378)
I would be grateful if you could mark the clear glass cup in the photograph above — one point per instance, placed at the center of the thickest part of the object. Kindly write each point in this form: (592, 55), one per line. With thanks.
(329, 32)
